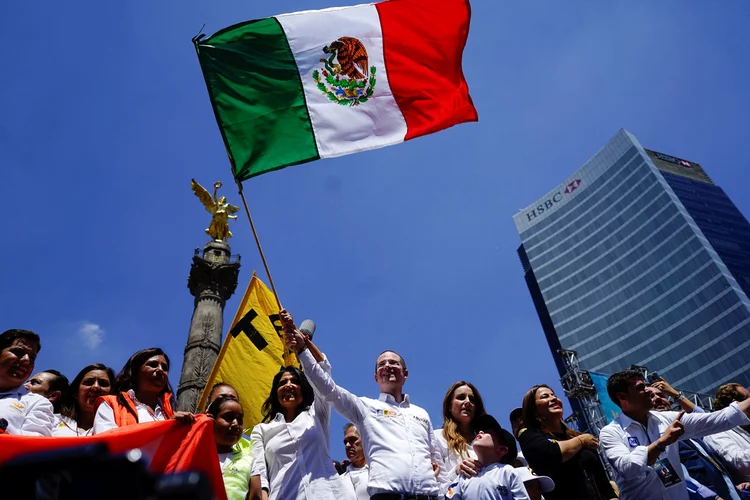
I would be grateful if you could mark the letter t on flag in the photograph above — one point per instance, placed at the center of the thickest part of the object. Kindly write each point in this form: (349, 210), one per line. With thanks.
(253, 352)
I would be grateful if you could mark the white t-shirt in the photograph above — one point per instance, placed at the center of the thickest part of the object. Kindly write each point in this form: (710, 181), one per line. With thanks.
(448, 462)
(734, 447)
(28, 414)
(358, 477)
(495, 482)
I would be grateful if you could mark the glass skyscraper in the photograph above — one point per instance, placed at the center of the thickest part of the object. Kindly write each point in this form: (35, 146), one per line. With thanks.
(639, 258)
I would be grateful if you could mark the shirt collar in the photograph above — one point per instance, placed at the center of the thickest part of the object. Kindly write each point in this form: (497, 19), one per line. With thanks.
(387, 398)
(626, 421)
(137, 402)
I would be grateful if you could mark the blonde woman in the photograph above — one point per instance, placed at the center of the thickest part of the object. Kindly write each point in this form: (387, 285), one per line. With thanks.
(461, 406)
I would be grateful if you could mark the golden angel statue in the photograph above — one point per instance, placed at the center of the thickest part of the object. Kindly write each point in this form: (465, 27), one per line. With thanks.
(221, 210)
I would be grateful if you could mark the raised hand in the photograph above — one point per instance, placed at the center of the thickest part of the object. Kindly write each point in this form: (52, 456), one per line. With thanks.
(674, 431)
(287, 323)
(667, 389)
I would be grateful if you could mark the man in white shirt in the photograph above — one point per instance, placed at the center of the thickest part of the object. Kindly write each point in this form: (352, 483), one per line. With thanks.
(733, 445)
(21, 412)
(397, 436)
(356, 471)
(640, 443)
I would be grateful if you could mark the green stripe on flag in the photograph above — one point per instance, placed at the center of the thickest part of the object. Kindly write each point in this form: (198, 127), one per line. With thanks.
(257, 96)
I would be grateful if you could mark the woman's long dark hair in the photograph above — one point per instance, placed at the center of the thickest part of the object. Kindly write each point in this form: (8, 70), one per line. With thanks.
(530, 415)
(128, 376)
(272, 405)
(69, 406)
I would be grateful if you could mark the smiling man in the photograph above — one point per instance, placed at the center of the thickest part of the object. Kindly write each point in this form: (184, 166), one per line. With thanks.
(397, 436)
(21, 412)
(51, 384)
(640, 443)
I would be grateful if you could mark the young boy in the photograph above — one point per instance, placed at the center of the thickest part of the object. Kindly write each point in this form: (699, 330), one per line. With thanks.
(495, 449)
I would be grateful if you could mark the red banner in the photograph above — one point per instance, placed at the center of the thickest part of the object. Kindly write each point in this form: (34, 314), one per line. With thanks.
(168, 447)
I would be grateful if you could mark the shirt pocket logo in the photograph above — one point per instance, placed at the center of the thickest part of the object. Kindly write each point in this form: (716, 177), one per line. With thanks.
(386, 413)
(633, 442)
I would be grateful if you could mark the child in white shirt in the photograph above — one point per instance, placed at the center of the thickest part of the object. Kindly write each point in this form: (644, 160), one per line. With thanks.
(495, 449)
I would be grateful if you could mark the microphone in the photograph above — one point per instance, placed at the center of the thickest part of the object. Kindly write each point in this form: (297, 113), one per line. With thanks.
(307, 328)
(4, 423)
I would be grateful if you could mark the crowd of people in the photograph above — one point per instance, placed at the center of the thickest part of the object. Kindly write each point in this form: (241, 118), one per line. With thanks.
(393, 453)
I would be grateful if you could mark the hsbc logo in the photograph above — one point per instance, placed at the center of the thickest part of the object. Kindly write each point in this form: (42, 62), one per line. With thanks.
(572, 186)
(550, 202)
(672, 159)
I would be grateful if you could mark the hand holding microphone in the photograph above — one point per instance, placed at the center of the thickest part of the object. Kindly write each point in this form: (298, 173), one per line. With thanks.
(296, 338)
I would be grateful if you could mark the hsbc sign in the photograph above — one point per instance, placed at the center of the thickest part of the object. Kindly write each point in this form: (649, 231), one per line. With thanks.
(672, 159)
(553, 200)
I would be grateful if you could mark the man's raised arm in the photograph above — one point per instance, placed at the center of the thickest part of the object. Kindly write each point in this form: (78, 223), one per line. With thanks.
(703, 424)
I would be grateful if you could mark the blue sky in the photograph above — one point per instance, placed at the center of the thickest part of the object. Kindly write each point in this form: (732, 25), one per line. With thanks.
(412, 248)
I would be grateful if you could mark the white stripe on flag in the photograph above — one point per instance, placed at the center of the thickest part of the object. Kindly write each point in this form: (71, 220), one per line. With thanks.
(340, 129)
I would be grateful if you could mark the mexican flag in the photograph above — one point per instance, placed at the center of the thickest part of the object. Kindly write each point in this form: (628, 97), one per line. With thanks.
(318, 84)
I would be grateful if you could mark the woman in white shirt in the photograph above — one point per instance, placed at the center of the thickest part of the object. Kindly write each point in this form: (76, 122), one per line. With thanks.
(78, 404)
(142, 393)
(461, 406)
(291, 446)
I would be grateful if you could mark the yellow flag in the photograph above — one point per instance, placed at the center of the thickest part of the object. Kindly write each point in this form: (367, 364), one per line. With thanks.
(253, 352)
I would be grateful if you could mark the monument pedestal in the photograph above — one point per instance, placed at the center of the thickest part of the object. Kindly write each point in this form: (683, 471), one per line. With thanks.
(212, 281)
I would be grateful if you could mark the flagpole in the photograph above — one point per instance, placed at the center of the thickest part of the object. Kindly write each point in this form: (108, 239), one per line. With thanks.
(257, 242)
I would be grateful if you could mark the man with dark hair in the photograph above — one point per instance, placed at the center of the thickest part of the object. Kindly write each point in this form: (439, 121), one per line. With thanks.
(639, 444)
(21, 412)
(51, 384)
(705, 469)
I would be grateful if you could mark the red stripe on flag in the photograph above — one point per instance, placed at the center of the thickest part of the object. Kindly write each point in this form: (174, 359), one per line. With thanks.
(181, 447)
(423, 42)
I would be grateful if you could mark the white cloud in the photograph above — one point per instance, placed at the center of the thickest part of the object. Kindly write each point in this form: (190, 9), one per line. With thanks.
(91, 334)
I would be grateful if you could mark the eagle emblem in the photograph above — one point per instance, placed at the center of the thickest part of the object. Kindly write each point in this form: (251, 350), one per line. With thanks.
(346, 78)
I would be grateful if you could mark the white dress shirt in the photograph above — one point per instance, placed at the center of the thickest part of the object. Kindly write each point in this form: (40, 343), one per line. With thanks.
(734, 447)
(293, 458)
(28, 414)
(358, 477)
(397, 438)
(448, 462)
(104, 419)
(67, 427)
(624, 442)
(495, 482)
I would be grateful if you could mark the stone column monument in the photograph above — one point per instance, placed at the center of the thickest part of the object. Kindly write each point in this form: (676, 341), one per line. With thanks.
(212, 281)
